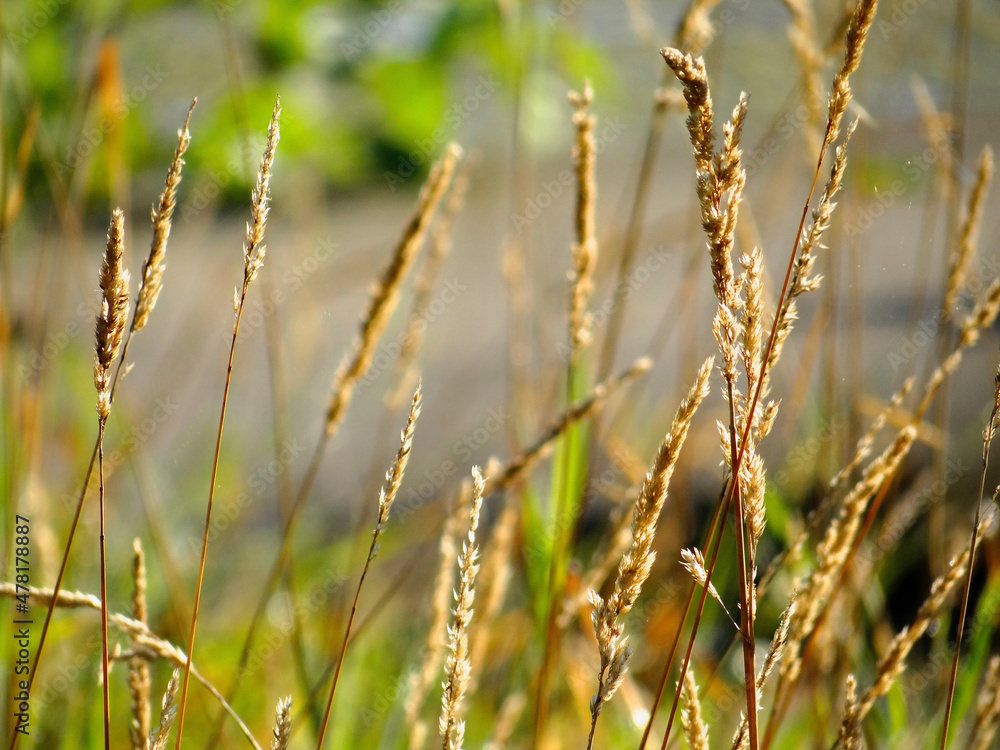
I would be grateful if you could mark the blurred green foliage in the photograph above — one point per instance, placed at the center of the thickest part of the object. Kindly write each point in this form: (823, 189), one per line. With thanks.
(367, 86)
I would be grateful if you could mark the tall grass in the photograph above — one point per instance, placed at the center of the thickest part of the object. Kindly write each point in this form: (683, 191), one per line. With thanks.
(576, 597)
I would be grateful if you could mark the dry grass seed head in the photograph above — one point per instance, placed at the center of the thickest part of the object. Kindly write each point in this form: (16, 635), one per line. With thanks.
(139, 682)
(158, 737)
(969, 235)
(988, 707)
(162, 216)
(110, 328)
(695, 730)
(840, 97)
(585, 247)
(253, 248)
(282, 724)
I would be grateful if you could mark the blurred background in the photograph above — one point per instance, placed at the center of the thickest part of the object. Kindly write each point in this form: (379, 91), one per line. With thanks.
(92, 95)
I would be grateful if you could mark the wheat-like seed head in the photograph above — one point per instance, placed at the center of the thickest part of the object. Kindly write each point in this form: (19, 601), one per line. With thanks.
(695, 730)
(253, 247)
(988, 707)
(114, 311)
(394, 477)
(162, 215)
(386, 292)
(158, 737)
(458, 667)
(282, 724)
(840, 97)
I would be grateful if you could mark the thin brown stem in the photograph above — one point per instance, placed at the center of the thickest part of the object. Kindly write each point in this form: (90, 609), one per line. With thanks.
(104, 589)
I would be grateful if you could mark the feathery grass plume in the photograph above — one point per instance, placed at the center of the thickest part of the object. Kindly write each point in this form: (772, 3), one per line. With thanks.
(138, 667)
(421, 680)
(802, 280)
(109, 331)
(114, 282)
(260, 197)
(833, 551)
(695, 730)
(585, 247)
(387, 495)
(386, 293)
(988, 707)
(423, 286)
(690, 71)
(753, 318)
(162, 215)
(458, 667)
(958, 264)
(892, 664)
(850, 726)
(158, 737)
(144, 640)
(694, 563)
(253, 259)
(988, 433)
(635, 565)
(840, 97)
(282, 724)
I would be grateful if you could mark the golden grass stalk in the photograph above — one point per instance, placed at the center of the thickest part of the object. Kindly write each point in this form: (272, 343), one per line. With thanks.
(158, 737)
(147, 300)
(386, 293)
(695, 730)
(144, 639)
(988, 707)
(162, 216)
(423, 287)
(109, 331)
(958, 264)
(458, 667)
(387, 495)
(988, 433)
(138, 668)
(421, 680)
(892, 664)
(282, 724)
(253, 259)
(840, 97)
(585, 247)
(636, 564)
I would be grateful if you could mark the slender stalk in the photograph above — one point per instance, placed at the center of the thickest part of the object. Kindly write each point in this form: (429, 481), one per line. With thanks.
(253, 259)
(104, 591)
(963, 610)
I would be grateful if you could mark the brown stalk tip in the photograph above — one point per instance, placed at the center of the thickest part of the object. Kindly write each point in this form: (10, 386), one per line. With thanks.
(114, 311)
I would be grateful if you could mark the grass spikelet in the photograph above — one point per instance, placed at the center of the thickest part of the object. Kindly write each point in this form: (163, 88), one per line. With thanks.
(694, 563)
(893, 662)
(695, 730)
(387, 495)
(850, 726)
(635, 565)
(138, 667)
(282, 724)
(109, 331)
(158, 737)
(386, 293)
(253, 246)
(162, 216)
(968, 237)
(690, 71)
(988, 707)
(840, 97)
(458, 667)
(114, 282)
(585, 247)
